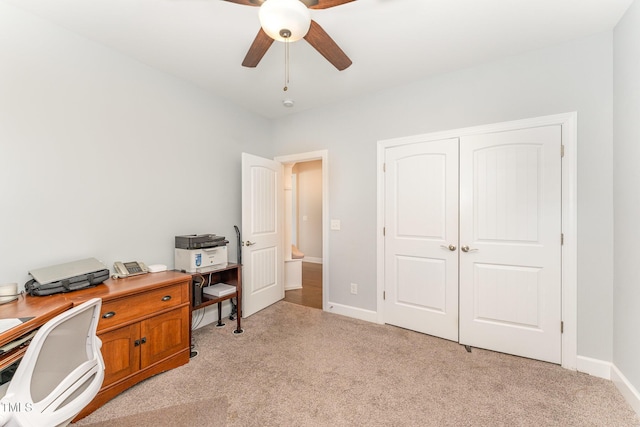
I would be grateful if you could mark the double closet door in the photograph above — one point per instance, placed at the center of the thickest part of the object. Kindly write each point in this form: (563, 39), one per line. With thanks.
(473, 240)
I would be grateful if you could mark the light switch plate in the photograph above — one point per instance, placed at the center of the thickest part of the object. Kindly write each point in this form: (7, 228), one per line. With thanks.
(335, 224)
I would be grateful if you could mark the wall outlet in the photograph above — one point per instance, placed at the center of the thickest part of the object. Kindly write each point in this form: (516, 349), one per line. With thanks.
(335, 224)
(354, 288)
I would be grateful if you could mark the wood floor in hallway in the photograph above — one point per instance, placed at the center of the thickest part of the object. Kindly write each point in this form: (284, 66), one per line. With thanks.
(311, 293)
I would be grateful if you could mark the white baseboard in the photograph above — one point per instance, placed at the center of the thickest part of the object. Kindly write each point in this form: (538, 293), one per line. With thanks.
(609, 371)
(627, 390)
(594, 367)
(357, 313)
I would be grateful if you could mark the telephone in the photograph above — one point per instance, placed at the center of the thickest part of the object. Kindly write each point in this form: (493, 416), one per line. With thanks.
(126, 269)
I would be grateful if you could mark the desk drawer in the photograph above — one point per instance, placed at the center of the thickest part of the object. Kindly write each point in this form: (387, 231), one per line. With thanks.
(133, 307)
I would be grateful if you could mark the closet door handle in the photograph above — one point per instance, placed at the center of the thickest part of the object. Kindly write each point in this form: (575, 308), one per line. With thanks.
(250, 243)
(468, 249)
(450, 247)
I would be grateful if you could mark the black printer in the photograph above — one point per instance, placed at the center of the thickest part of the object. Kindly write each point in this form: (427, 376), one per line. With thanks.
(200, 241)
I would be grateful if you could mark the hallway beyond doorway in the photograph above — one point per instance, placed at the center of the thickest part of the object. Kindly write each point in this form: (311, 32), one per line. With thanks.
(310, 295)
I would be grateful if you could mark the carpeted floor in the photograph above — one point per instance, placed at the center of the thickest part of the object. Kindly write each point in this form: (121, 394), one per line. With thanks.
(206, 412)
(298, 366)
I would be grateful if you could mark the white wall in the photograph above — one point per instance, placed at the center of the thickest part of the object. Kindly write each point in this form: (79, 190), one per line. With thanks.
(572, 77)
(626, 194)
(79, 123)
(101, 156)
(309, 209)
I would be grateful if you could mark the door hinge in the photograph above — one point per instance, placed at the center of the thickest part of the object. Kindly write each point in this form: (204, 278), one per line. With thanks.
(561, 150)
(561, 239)
(384, 231)
(561, 327)
(384, 167)
(384, 295)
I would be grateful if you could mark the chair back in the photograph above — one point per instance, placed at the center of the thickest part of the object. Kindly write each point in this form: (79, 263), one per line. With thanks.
(60, 373)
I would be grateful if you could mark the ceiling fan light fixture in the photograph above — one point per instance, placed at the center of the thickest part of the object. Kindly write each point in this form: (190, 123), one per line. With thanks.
(285, 20)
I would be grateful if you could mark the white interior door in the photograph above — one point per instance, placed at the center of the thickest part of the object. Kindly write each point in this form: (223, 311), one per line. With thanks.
(262, 250)
(421, 237)
(510, 221)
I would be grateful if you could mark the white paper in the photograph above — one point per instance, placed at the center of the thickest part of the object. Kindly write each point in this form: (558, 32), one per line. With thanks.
(6, 324)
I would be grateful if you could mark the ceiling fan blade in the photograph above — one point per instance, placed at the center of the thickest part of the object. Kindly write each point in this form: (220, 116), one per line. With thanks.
(258, 48)
(320, 40)
(246, 2)
(323, 4)
(311, 4)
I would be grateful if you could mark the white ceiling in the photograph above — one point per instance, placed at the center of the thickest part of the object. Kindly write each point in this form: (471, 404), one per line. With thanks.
(391, 42)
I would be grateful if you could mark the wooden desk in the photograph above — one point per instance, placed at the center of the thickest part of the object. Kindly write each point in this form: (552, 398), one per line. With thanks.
(144, 326)
(40, 309)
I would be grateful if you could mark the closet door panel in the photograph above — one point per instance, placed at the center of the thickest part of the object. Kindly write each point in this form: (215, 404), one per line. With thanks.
(421, 222)
(510, 234)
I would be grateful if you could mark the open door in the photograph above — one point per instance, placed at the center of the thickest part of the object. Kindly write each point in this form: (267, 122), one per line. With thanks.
(262, 231)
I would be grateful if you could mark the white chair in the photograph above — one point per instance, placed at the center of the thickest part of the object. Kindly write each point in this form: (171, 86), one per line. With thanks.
(60, 373)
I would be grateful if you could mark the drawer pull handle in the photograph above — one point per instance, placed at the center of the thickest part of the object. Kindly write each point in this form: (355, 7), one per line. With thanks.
(109, 315)
(166, 298)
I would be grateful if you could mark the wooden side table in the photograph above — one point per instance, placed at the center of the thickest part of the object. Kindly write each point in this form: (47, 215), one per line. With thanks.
(230, 274)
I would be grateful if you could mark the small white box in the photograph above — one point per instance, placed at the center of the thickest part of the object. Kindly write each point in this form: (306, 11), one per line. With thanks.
(193, 260)
(219, 290)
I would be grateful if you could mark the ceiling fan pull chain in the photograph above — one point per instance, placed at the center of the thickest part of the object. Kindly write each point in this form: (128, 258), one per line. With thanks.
(286, 64)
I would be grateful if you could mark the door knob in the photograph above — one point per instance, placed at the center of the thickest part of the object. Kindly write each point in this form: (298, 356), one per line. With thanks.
(467, 249)
(450, 247)
(249, 243)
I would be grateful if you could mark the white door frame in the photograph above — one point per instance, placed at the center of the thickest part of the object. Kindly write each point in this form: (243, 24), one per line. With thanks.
(322, 155)
(568, 122)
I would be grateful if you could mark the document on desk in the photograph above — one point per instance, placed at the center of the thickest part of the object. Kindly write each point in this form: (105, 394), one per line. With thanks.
(6, 324)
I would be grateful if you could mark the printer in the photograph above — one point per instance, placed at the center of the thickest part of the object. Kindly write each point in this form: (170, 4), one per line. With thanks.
(200, 252)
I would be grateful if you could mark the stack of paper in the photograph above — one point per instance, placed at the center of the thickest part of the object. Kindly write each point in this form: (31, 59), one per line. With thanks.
(219, 290)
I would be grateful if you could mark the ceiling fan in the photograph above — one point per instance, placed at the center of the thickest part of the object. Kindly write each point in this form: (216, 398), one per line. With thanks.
(316, 36)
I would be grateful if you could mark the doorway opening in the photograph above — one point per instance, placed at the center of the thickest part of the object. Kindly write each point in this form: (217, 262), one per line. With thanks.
(305, 234)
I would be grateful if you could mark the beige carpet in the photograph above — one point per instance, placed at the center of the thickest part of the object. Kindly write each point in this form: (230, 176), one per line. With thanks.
(207, 412)
(297, 366)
